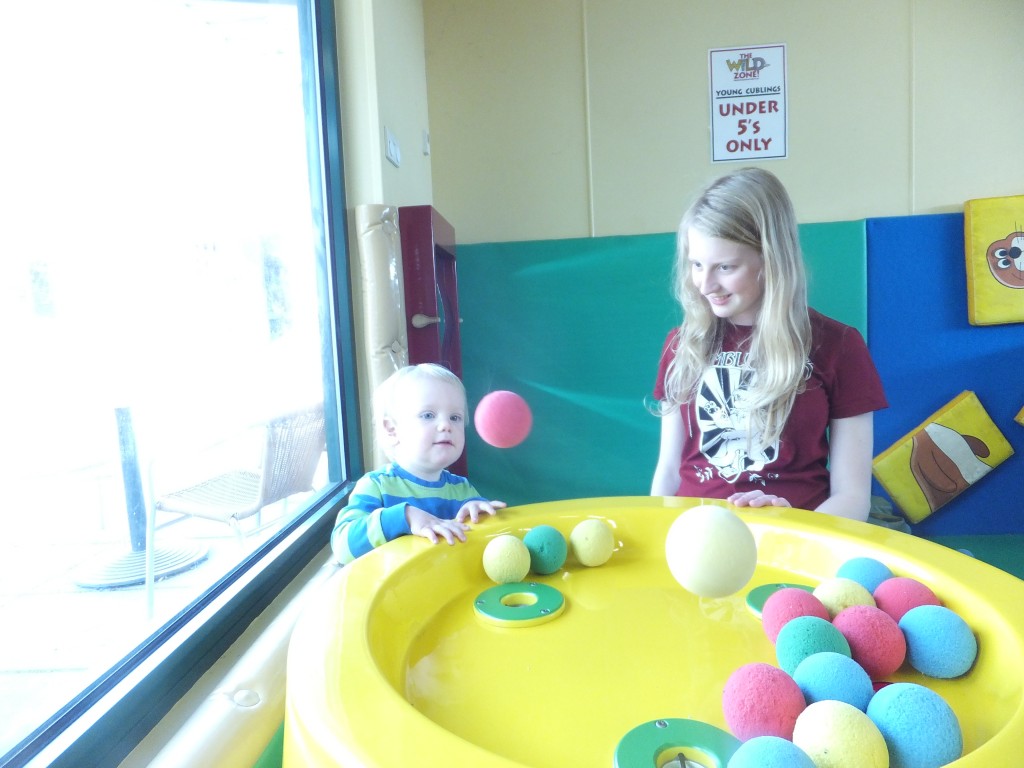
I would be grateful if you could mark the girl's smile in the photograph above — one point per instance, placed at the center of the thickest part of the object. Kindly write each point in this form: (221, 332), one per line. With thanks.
(728, 276)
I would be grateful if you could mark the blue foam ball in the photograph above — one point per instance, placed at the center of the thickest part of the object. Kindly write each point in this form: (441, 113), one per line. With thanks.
(804, 636)
(939, 642)
(920, 729)
(866, 571)
(769, 752)
(830, 675)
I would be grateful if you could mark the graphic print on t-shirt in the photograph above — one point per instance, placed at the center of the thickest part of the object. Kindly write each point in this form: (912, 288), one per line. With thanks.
(723, 420)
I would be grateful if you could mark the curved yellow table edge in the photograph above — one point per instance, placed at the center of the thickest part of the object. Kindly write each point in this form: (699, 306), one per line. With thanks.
(341, 710)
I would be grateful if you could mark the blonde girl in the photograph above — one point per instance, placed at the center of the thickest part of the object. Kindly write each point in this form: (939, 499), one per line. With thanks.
(763, 400)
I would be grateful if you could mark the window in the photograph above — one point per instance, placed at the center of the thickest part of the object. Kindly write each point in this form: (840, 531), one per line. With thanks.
(172, 285)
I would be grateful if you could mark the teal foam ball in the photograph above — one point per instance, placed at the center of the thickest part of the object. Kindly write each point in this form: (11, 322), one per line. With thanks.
(548, 549)
(833, 676)
(769, 752)
(939, 642)
(804, 636)
(920, 729)
(866, 571)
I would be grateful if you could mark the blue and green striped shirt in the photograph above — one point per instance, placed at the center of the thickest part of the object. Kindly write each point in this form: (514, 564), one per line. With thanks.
(375, 512)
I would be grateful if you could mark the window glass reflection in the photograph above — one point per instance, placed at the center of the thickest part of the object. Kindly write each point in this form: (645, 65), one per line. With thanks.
(160, 306)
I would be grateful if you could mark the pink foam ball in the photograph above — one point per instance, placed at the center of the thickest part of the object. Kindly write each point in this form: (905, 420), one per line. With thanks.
(786, 604)
(761, 700)
(503, 419)
(899, 594)
(876, 641)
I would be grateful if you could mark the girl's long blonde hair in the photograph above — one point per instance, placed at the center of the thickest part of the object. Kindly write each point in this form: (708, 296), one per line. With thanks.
(751, 207)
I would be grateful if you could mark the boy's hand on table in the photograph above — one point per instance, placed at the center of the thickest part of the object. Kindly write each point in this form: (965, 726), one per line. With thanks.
(477, 507)
(422, 523)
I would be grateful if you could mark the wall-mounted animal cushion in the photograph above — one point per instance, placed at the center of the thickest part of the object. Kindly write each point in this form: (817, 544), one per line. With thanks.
(994, 249)
(942, 457)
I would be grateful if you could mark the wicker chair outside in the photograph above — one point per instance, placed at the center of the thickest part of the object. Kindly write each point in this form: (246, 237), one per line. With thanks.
(294, 445)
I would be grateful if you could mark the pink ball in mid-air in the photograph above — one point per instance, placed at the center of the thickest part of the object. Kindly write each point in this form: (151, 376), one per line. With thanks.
(899, 594)
(789, 603)
(503, 419)
(761, 700)
(876, 640)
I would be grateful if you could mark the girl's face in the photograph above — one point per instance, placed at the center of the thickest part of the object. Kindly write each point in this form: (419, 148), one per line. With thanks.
(728, 276)
(427, 426)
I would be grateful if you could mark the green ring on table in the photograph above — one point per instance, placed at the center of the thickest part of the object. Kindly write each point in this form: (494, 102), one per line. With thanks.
(758, 596)
(646, 743)
(542, 604)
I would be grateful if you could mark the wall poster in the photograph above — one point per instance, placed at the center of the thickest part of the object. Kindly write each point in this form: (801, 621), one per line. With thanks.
(748, 103)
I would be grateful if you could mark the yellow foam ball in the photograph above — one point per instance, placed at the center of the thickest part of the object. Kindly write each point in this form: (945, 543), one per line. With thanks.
(838, 593)
(592, 541)
(506, 559)
(835, 734)
(710, 551)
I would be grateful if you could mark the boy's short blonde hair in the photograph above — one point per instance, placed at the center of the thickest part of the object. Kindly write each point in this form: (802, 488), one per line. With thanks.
(386, 392)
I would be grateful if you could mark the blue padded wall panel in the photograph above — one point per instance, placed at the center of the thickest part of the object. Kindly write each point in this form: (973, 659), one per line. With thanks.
(927, 353)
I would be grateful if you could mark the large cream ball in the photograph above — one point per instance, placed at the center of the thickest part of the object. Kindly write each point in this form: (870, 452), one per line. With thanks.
(506, 559)
(711, 551)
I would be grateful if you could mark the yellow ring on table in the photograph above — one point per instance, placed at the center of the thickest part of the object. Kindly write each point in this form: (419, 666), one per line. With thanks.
(519, 604)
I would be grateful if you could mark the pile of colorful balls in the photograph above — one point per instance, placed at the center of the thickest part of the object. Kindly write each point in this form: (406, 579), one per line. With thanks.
(828, 702)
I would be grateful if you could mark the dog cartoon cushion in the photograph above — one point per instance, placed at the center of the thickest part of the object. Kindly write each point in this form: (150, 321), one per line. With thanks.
(945, 455)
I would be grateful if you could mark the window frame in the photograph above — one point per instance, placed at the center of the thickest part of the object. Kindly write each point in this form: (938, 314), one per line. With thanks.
(104, 723)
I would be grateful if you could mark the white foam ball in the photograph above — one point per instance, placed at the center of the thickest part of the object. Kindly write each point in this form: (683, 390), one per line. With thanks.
(711, 551)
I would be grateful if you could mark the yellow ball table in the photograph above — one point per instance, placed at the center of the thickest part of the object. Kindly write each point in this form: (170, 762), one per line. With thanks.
(391, 664)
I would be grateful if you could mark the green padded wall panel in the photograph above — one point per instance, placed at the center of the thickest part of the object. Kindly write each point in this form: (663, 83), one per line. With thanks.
(576, 327)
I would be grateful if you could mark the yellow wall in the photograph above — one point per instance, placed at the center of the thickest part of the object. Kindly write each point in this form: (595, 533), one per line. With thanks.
(383, 86)
(569, 118)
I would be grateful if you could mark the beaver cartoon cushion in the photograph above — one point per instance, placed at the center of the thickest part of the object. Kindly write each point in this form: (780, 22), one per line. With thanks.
(1006, 260)
(945, 455)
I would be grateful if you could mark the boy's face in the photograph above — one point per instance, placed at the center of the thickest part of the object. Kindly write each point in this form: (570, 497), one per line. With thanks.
(427, 426)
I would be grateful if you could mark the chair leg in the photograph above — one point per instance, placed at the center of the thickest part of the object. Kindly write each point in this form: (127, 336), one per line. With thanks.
(236, 526)
(150, 560)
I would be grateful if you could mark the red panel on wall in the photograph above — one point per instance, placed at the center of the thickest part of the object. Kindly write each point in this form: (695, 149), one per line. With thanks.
(431, 292)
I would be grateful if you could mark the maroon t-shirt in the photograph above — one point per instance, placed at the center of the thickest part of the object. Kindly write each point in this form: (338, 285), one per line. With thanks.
(716, 462)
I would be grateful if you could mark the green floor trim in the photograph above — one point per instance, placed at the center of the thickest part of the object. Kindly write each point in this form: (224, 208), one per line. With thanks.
(273, 755)
(1004, 551)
